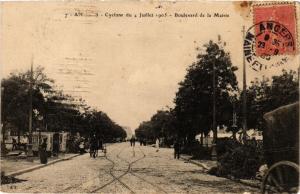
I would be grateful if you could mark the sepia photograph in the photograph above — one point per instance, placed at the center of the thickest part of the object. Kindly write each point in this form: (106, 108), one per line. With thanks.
(149, 97)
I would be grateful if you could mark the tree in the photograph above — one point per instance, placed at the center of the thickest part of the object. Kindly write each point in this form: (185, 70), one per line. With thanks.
(144, 131)
(194, 98)
(161, 124)
(266, 95)
(61, 113)
(100, 124)
(15, 98)
(52, 109)
(284, 89)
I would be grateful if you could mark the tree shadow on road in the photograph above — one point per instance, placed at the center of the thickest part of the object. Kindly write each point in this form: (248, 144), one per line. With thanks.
(10, 180)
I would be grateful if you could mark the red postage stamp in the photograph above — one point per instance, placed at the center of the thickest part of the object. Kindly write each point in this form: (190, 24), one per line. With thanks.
(275, 29)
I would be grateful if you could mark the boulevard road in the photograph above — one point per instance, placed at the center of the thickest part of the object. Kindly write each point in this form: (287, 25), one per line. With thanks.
(125, 169)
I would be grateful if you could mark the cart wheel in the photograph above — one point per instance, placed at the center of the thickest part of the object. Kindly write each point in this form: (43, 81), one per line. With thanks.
(282, 177)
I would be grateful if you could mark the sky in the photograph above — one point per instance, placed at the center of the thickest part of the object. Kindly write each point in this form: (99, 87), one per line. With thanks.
(127, 67)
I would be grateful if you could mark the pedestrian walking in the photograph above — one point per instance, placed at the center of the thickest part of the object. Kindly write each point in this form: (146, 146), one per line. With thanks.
(93, 146)
(157, 144)
(132, 141)
(177, 148)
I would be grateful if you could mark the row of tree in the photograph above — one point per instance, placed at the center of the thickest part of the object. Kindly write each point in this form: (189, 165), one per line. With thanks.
(52, 109)
(193, 111)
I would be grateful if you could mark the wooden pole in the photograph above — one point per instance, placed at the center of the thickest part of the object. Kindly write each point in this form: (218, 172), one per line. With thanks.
(214, 102)
(30, 153)
(215, 136)
(244, 93)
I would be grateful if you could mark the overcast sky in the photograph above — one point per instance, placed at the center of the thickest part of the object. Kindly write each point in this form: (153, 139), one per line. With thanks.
(126, 67)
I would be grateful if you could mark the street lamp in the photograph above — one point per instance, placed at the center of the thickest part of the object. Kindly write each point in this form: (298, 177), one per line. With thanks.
(244, 94)
(234, 117)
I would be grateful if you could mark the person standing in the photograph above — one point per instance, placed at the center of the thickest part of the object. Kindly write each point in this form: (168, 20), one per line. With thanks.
(25, 143)
(93, 146)
(132, 141)
(81, 147)
(55, 148)
(177, 147)
(43, 152)
(157, 144)
(14, 144)
(44, 145)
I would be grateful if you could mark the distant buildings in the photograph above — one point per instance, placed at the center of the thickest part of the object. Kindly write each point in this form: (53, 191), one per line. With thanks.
(222, 133)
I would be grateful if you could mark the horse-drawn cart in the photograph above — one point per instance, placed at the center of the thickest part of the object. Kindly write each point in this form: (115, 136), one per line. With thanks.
(102, 147)
(97, 144)
(281, 150)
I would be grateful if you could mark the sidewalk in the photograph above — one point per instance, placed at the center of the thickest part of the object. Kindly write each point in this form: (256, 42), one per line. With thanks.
(208, 164)
(15, 165)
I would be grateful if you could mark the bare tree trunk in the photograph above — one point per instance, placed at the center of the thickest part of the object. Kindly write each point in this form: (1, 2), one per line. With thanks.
(19, 131)
(234, 135)
(201, 139)
(3, 132)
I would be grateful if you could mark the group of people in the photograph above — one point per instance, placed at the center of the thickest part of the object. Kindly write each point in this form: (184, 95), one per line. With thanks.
(97, 143)
(21, 144)
(142, 142)
(177, 145)
(132, 141)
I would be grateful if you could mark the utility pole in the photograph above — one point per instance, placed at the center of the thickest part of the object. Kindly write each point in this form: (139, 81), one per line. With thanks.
(214, 101)
(215, 136)
(30, 153)
(2, 126)
(244, 93)
(234, 118)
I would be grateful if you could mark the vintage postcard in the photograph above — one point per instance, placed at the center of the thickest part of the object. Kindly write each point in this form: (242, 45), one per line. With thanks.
(149, 96)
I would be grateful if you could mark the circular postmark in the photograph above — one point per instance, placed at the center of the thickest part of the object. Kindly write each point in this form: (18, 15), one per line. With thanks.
(267, 44)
